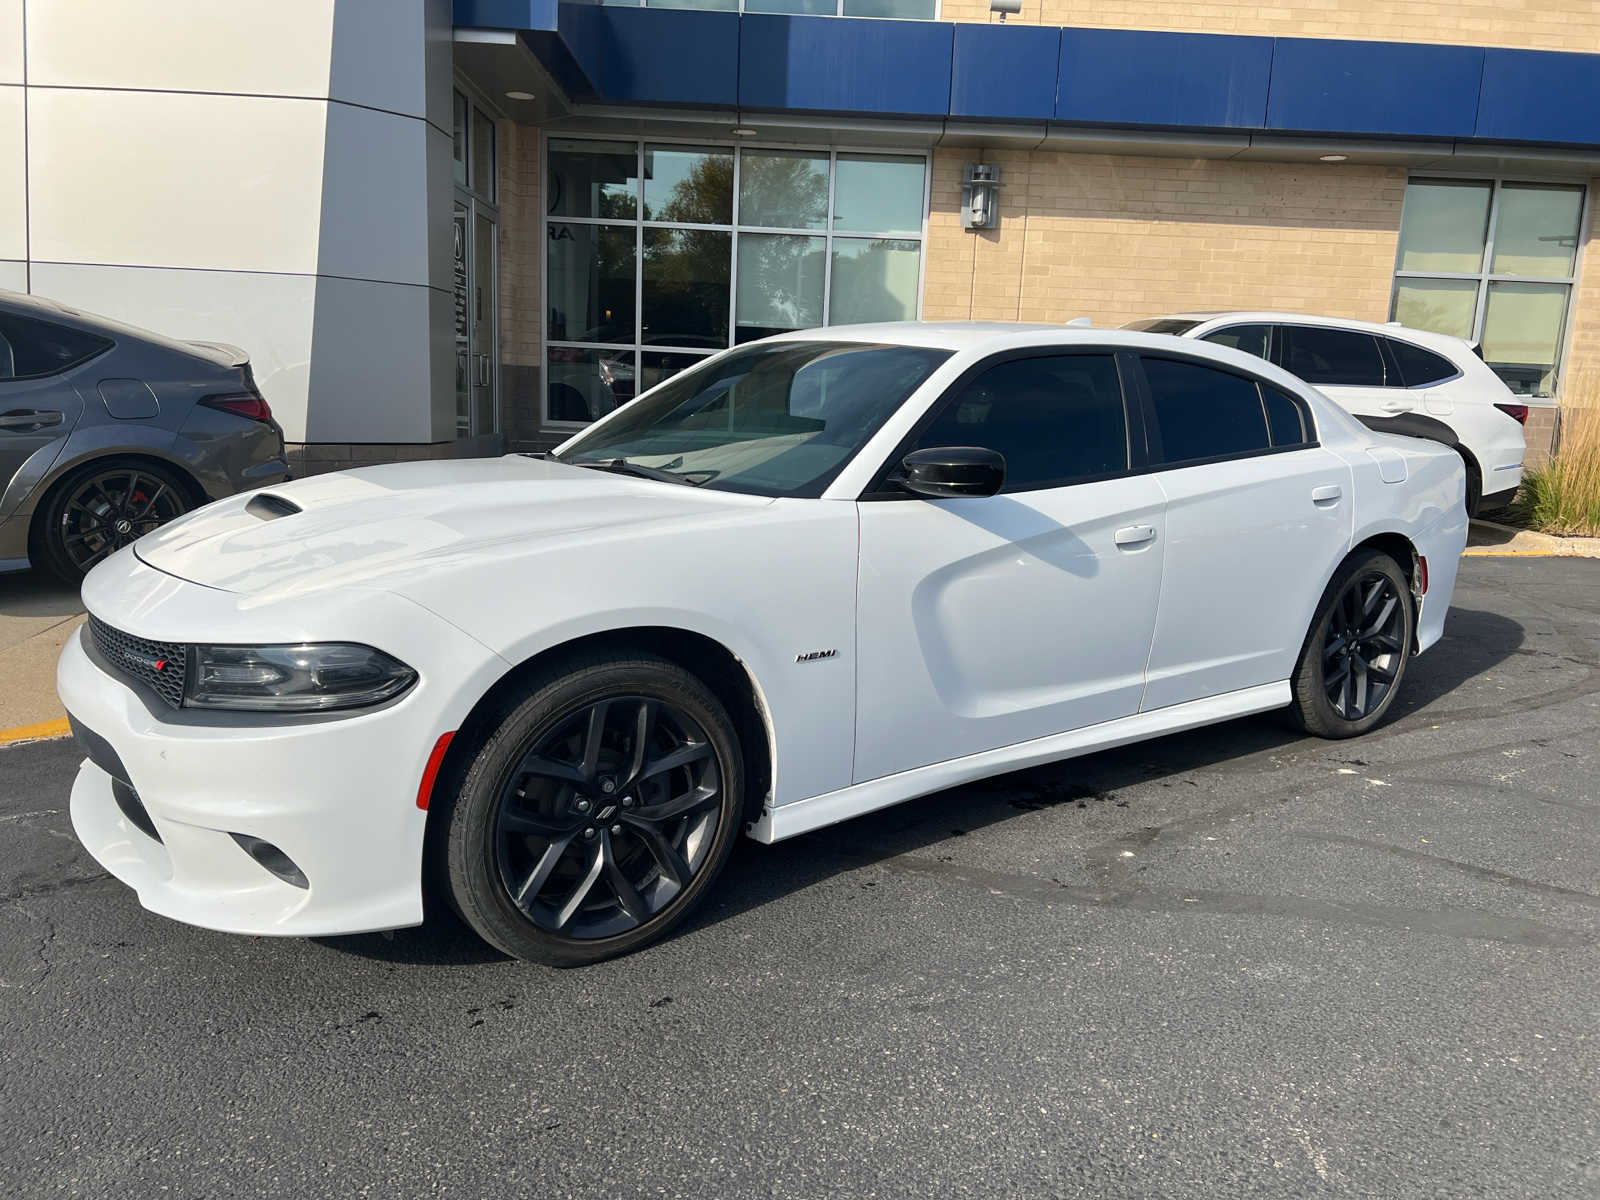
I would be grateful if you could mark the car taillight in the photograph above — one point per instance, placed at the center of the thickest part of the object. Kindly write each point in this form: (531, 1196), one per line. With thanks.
(1517, 412)
(241, 404)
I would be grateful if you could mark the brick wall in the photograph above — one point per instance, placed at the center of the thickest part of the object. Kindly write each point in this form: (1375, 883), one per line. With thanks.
(1114, 238)
(521, 327)
(1530, 24)
(1581, 375)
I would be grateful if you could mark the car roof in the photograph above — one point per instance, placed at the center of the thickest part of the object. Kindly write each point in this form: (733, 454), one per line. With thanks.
(965, 335)
(1423, 337)
(46, 309)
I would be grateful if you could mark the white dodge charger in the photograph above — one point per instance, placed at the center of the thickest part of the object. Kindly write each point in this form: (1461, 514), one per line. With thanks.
(808, 578)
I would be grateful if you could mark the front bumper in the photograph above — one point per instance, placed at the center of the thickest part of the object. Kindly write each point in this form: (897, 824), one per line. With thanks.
(337, 795)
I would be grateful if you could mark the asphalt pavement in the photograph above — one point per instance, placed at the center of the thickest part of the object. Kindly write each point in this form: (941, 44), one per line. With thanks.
(1234, 962)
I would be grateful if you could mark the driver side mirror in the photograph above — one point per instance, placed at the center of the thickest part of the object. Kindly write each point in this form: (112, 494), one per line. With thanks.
(945, 471)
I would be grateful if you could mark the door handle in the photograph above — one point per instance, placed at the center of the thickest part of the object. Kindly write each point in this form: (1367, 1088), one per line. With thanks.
(1327, 495)
(28, 419)
(1134, 535)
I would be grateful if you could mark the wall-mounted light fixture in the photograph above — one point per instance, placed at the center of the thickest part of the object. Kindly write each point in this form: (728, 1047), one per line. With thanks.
(1005, 6)
(980, 195)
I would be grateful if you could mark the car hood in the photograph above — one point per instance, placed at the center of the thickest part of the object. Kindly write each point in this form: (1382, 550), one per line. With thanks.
(376, 526)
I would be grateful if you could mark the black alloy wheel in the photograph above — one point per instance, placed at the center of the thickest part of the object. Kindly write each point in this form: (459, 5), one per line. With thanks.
(595, 814)
(608, 817)
(102, 508)
(1362, 646)
(1357, 650)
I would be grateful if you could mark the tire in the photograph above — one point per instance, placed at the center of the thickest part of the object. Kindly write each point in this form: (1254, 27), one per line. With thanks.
(96, 509)
(564, 846)
(1332, 665)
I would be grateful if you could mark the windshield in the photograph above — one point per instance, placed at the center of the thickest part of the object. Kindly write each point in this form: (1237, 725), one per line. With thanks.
(1177, 326)
(773, 419)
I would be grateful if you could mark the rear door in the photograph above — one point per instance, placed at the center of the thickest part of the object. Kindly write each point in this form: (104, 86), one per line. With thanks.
(39, 406)
(1257, 517)
(987, 621)
(1349, 366)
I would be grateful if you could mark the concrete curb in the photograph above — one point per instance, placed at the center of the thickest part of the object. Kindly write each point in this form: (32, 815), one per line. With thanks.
(1489, 539)
(38, 732)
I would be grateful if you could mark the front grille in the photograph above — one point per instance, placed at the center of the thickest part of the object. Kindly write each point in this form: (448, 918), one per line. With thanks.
(158, 665)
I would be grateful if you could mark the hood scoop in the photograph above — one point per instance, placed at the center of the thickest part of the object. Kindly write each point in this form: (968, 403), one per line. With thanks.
(269, 507)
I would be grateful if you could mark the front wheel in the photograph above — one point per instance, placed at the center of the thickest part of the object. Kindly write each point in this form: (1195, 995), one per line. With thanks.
(597, 814)
(1356, 652)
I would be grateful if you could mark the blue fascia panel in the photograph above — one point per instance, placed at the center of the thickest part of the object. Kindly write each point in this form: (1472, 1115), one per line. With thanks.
(1187, 80)
(505, 14)
(1005, 72)
(1105, 77)
(1398, 89)
(669, 56)
(1540, 95)
(845, 65)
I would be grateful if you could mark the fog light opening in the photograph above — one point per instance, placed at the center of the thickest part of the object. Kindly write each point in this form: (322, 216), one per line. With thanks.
(272, 859)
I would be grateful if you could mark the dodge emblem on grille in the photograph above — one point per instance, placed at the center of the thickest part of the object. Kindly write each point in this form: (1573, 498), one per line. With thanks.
(144, 661)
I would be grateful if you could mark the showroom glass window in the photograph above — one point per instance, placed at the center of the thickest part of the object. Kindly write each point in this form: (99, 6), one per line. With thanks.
(659, 254)
(1493, 261)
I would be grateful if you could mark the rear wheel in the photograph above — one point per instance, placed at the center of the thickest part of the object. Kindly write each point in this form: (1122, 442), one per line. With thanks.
(597, 814)
(101, 507)
(1356, 652)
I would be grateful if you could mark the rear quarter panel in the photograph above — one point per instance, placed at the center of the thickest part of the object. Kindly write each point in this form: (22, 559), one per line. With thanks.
(1428, 507)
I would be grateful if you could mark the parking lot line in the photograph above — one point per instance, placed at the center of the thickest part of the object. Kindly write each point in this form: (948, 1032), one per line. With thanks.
(35, 732)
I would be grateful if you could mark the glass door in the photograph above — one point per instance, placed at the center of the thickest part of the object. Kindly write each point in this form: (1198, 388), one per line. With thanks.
(476, 278)
(485, 324)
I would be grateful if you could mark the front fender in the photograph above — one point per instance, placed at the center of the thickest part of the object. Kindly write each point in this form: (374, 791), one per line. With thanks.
(771, 591)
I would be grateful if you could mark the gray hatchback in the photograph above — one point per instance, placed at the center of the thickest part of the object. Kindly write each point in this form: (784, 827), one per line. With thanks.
(107, 431)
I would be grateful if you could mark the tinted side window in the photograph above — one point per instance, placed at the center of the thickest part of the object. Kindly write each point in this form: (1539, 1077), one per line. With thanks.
(1204, 413)
(1252, 339)
(30, 349)
(1054, 419)
(1285, 418)
(1418, 366)
(1335, 356)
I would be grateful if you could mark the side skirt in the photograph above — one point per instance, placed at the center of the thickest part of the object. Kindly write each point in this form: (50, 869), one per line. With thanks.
(802, 816)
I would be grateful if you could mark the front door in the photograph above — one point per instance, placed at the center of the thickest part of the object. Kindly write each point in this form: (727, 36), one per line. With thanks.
(983, 622)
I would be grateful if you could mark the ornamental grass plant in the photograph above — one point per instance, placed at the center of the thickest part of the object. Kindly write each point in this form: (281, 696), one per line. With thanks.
(1563, 497)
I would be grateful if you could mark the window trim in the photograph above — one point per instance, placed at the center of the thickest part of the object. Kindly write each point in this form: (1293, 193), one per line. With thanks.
(879, 488)
(1391, 361)
(1153, 425)
(637, 347)
(1280, 343)
(106, 345)
(1484, 277)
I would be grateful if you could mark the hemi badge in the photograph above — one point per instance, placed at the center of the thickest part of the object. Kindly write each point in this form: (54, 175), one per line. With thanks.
(814, 655)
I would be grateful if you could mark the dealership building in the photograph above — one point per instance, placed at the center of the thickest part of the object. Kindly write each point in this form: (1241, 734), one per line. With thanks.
(453, 229)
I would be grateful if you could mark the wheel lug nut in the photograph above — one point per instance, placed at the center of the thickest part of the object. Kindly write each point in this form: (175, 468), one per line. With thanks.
(583, 806)
(589, 833)
(616, 829)
(627, 802)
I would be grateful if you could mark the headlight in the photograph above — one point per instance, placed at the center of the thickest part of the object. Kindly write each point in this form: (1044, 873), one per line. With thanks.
(313, 677)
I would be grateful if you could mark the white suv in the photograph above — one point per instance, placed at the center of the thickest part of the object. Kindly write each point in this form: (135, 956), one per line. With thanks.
(1397, 380)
